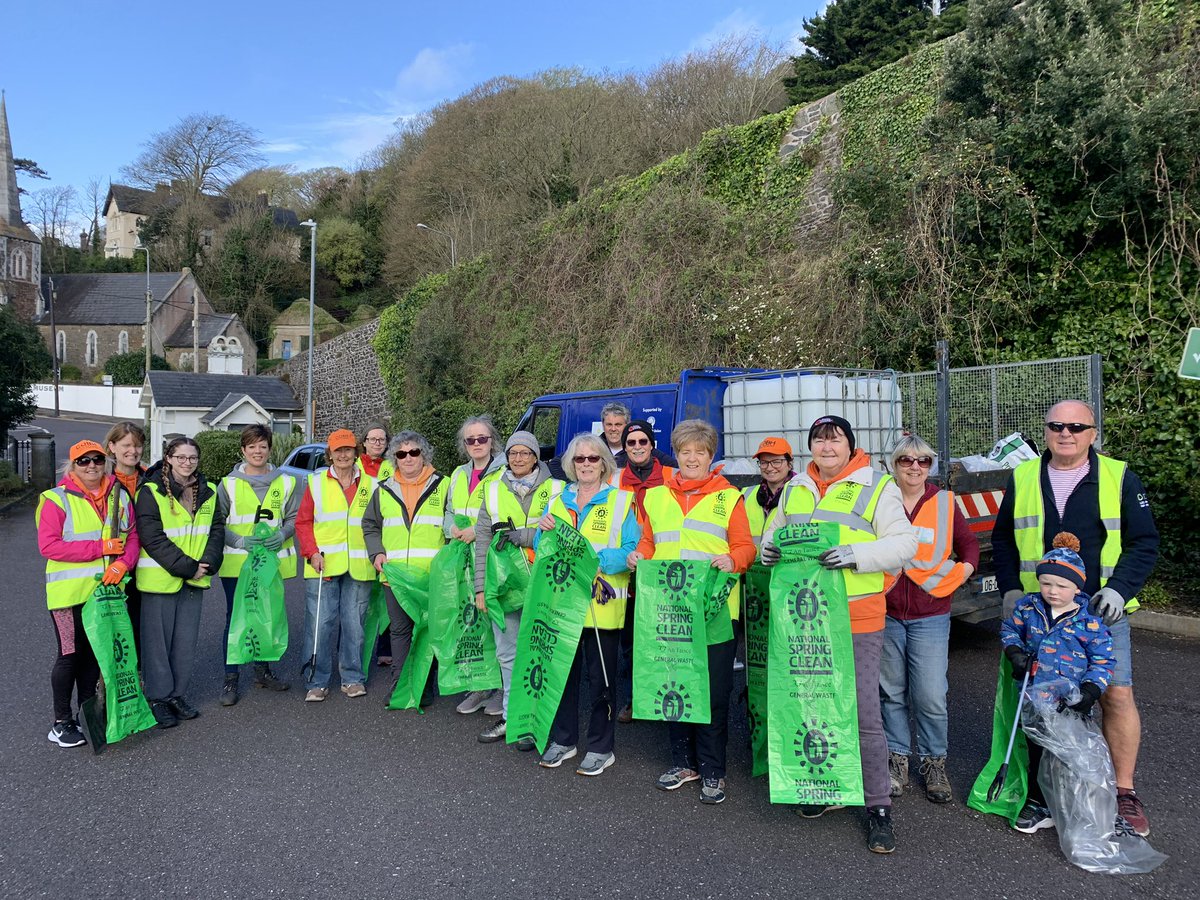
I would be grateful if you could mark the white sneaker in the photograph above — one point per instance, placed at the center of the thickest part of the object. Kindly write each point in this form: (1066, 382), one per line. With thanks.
(316, 695)
(473, 702)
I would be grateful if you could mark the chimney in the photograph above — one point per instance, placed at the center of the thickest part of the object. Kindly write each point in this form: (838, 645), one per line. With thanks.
(83, 242)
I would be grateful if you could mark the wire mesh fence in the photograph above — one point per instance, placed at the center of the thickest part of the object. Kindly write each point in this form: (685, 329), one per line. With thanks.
(991, 402)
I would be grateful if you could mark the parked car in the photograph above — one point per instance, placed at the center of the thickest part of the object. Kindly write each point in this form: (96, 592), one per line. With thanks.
(304, 460)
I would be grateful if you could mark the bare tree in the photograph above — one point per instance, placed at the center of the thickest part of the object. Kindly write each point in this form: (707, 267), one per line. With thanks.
(53, 207)
(90, 207)
(202, 153)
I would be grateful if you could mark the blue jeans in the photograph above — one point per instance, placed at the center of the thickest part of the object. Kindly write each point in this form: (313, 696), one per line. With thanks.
(340, 629)
(912, 678)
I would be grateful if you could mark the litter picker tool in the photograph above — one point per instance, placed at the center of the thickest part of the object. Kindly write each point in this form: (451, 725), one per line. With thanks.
(311, 664)
(998, 781)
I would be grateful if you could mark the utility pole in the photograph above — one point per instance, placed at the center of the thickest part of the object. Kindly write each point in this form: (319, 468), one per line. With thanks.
(54, 343)
(309, 416)
(149, 299)
(195, 331)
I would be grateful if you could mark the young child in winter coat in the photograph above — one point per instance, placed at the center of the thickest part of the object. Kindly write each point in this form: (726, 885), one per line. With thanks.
(1054, 628)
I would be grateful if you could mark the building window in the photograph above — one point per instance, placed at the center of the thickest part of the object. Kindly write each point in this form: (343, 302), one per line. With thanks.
(17, 266)
(286, 353)
(185, 361)
(90, 352)
(60, 345)
(123, 342)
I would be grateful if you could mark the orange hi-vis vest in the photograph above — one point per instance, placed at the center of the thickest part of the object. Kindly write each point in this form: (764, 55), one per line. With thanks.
(932, 570)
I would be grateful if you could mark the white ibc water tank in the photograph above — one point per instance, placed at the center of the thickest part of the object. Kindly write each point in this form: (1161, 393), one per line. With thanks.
(876, 413)
(776, 406)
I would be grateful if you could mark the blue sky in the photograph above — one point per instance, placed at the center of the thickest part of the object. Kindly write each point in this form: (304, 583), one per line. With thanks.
(323, 83)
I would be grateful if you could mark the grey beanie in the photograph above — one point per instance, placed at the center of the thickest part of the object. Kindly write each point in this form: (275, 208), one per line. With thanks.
(523, 439)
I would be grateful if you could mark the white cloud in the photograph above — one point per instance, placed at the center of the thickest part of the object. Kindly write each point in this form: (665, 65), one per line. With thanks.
(784, 34)
(433, 71)
(281, 147)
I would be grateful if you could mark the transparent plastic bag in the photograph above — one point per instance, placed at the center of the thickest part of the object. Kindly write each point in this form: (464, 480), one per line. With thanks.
(1077, 779)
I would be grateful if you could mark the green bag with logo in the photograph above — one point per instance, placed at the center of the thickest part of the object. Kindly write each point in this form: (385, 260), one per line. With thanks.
(410, 587)
(258, 626)
(670, 640)
(506, 580)
(460, 632)
(1016, 780)
(812, 708)
(375, 624)
(109, 631)
(560, 595)
(756, 606)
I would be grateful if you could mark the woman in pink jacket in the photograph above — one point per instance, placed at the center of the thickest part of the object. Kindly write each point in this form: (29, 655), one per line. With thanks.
(86, 533)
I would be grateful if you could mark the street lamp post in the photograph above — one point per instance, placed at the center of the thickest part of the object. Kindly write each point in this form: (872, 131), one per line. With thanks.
(449, 237)
(312, 302)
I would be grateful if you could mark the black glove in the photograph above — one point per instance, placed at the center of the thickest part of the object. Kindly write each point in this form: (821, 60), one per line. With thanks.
(1088, 695)
(505, 530)
(1019, 660)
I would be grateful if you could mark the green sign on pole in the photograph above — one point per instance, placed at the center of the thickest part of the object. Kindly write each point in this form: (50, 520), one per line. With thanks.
(1189, 366)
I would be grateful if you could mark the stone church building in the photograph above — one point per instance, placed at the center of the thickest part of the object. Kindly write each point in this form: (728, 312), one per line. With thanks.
(20, 248)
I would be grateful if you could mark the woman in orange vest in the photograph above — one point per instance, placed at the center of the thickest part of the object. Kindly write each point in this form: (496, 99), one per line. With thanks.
(912, 671)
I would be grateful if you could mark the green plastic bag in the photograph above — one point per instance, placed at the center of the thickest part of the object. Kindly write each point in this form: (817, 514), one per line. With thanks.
(410, 587)
(670, 651)
(375, 624)
(1016, 782)
(812, 708)
(718, 624)
(460, 632)
(560, 595)
(109, 631)
(756, 605)
(258, 626)
(506, 580)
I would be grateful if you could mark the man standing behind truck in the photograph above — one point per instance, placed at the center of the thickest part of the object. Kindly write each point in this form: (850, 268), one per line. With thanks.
(1099, 499)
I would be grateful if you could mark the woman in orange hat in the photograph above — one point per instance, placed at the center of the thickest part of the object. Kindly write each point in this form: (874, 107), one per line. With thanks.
(86, 531)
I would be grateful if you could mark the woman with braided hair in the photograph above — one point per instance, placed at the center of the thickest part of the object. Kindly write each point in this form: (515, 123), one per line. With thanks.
(183, 533)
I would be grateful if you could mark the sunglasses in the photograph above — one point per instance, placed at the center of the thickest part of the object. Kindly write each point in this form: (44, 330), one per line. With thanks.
(90, 461)
(640, 442)
(472, 441)
(587, 459)
(414, 453)
(1073, 427)
(923, 461)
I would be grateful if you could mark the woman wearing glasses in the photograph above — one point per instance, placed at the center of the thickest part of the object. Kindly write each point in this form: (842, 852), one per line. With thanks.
(182, 532)
(479, 442)
(85, 531)
(605, 516)
(373, 462)
(912, 670)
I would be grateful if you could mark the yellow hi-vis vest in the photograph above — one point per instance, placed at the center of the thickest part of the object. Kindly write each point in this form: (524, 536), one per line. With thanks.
(851, 506)
(73, 583)
(188, 534)
(756, 515)
(701, 534)
(386, 469)
(932, 569)
(1029, 520)
(337, 526)
(415, 542)
(462, 500)
(602, 527)
(502, 504)
(243, 511)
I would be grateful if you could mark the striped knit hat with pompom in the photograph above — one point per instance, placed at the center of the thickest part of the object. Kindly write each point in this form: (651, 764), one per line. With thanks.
(1063, 560)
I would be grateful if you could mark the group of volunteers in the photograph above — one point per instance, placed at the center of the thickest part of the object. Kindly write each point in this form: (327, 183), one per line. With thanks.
(1074, 541)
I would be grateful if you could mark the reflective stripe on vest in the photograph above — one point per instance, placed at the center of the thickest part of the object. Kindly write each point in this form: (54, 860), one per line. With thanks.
(243, 511)
(337, 526)
(602, 528)
(756, 515)
(464, 501)
(932, 569)
(1029, 519)
(189, 534)
(702, 534)
(414, 544)
(849, 505)
(72, 583)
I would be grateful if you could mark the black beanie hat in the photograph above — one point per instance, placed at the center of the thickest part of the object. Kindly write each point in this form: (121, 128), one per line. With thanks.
(832, 420)
(638, 425)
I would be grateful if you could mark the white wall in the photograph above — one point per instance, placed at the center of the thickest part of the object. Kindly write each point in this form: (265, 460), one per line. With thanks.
(97, 399)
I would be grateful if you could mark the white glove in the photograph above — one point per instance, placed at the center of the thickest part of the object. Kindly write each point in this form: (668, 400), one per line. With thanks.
(1108, 605)
(1009, 602)
(770, 555)
(837, 558)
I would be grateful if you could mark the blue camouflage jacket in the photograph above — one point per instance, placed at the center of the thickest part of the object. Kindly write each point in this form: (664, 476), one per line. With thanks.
(1078, 647)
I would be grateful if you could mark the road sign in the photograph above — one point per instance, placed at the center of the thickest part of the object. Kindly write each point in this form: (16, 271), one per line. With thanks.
(1189, 366)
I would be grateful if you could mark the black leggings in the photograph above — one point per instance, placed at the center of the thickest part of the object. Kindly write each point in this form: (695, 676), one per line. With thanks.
(1035, 761)
(77, 670)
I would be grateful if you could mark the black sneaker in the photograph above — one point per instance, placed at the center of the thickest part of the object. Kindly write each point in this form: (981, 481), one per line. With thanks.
(880, 836)
(182, 708)
(815, 811)
(229, 694)
(1033, 817)
(66, 734)
(712, 790)
(265, 678)
(526, 745)
(164, 715)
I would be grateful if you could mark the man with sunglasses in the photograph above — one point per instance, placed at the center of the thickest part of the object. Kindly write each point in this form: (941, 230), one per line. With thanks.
(1101, 501)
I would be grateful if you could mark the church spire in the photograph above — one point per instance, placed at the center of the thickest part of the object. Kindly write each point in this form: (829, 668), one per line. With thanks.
(10, 200)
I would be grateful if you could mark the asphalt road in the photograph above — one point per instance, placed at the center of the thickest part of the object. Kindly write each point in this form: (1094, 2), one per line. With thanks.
(278, 798)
